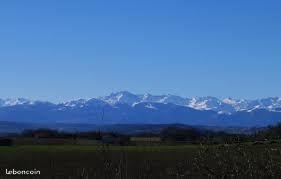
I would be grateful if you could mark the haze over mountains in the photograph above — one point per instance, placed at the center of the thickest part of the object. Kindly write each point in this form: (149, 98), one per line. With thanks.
(127, 108)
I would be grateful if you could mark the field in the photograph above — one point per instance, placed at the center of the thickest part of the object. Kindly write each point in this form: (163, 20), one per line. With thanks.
(182, 161)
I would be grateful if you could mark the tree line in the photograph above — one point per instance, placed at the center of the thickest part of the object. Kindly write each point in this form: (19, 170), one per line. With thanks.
(168, 135)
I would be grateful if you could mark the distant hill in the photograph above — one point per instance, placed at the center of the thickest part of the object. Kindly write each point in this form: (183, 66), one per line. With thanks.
(14, 127)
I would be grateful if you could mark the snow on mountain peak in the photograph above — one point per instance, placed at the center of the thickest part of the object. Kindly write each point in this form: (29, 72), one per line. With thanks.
(229, 101)
(150, 106)
(122, 97)
(205, 103)
(75, 103)
(224, 106)
(164, 99)
(15, 102)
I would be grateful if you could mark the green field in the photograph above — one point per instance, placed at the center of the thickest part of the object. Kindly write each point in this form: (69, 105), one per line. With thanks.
(182, 161)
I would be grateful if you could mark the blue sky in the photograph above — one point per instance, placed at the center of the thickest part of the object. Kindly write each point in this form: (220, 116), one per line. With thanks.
(60, 50)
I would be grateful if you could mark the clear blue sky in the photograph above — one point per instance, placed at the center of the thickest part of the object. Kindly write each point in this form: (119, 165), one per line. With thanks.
(66, 49)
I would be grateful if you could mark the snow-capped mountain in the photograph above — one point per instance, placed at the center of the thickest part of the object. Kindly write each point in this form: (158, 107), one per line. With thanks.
(211, 103)
(128, 108)
(227, 105)
(164, 99)
(122, 97)
(222, 106)
(75, 103)
(15, 102)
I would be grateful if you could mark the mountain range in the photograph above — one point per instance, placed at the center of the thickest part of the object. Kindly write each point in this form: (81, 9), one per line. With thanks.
(128, 108)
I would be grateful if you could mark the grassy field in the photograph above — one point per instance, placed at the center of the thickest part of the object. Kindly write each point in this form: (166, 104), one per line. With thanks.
(183, 161)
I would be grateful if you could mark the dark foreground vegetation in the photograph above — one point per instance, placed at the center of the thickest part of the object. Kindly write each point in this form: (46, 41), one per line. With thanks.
(174, 153)
(188, 161)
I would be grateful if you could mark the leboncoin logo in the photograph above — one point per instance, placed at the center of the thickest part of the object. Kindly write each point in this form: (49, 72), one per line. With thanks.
(22, 172)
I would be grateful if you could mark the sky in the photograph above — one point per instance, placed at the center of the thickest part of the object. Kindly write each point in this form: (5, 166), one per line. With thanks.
(68, 49)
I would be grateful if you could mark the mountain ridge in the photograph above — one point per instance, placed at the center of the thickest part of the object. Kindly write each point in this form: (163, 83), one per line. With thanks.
(128, 108)
(222, 106)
